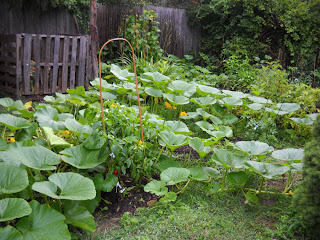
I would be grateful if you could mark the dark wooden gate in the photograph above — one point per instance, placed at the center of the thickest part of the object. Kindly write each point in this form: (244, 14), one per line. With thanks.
(37, 64)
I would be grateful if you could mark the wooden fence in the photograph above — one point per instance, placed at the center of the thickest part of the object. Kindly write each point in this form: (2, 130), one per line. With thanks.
(176, 36)
(32, 64)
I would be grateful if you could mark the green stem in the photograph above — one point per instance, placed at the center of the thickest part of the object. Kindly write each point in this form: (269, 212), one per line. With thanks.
(288, 181)
(293, 181)
(200, 161)
(159, 156)
(4, 133)
(184, 188)
(261, 185)
(189, 154)
(224, 180)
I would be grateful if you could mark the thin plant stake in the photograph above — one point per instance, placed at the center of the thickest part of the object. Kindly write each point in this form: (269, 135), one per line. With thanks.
(135, 75)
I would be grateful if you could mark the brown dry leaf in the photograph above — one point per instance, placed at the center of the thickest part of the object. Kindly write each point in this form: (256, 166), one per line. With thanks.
(151, 202)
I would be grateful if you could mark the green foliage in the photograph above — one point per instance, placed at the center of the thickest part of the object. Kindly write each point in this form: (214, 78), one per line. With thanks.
(143, 33)
(285, 30)
(306, 198)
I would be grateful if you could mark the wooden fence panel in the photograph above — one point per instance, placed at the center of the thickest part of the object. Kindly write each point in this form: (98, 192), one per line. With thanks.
(176, 36)
(44, 64)
(56, 52)
(8, 57)
(65, 67)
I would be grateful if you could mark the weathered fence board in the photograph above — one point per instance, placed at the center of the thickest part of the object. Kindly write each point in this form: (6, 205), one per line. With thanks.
(33, 64)
(8, 56)
(176, 37)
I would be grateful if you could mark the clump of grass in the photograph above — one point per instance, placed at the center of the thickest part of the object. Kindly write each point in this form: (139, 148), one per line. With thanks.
(198, 216)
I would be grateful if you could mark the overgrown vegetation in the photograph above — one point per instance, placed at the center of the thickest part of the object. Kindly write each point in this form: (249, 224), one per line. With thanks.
(285, 30)
(244, 128)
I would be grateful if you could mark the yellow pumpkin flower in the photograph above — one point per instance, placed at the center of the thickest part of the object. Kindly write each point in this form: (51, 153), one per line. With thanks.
(183, 114)
(12, 140)
(168, 105)
(66, 132)
(174, 107)
(114, 105)
(139, 141)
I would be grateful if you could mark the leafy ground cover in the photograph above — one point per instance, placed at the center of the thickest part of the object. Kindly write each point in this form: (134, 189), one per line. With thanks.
(70, 166)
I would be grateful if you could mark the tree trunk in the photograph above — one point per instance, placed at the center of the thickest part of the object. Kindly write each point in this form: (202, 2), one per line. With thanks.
(94, 37)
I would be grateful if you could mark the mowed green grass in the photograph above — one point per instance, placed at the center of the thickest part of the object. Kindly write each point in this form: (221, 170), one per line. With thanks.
(197, 216)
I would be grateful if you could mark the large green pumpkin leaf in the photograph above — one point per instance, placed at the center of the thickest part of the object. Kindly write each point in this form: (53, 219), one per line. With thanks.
(78, 216)
(171, 140)
(232, 101)
(204, 101)
(267, 170)
(119, 73)
(3, 144)
(229, 118)
(53, 139)
(27, 133)
(199, 174)
(44, 223)
(154, 92)
(104, 84)
(228, 159)
(14, 123)
(205, 126)
(237, 178)
(255, 106)
(74, 126)
(254, 148)
(12, 208)
(159, 79)
(50, 117)
(199, 146)
(174, 175)
(177, 127)
(288, 107)
(81, 157)
(175, 99)
(183, 87)
(107, 184)
(71, 186)
(205, 90)
(163, 165)
(12, 179)
(222, 131)
(289, 154)
(235, 94)
(10, 233)
(156, 187)
(6, 102)
(36, 157)
(307, 120)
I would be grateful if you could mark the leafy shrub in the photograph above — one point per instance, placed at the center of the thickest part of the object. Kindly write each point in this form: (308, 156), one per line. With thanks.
(143, 33)
(307, 197)
(240, 74)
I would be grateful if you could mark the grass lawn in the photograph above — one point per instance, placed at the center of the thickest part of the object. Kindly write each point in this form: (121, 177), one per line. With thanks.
(198, 216)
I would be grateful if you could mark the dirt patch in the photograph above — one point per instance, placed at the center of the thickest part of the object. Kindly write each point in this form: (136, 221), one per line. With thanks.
(115, 205)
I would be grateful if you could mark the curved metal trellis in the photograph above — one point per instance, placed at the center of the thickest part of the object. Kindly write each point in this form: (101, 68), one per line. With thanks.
(136, 79)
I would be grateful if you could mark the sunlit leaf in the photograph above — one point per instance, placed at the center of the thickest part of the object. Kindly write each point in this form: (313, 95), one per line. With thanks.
(174, 175)
(12, 179)
(156, 187)
(12, 208)
(44, 223)
(67, 185)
